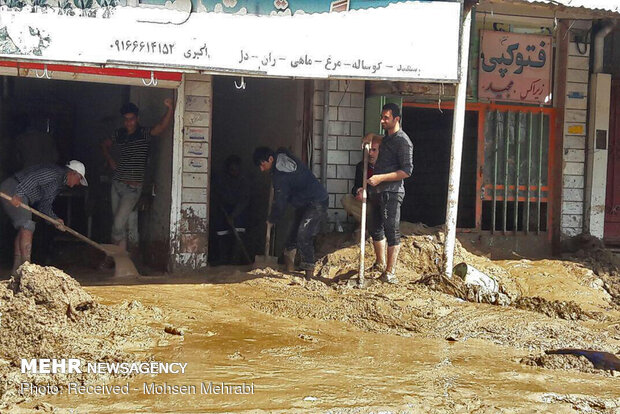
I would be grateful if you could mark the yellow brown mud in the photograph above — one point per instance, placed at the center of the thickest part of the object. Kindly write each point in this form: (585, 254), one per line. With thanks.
(296, 340)
(328, 347)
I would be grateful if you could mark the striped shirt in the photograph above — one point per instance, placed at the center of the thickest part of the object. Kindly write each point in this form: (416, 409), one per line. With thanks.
(41, 184)
(134, 153)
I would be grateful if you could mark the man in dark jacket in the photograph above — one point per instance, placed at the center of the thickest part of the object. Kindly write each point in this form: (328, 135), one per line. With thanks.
(294, 183)
(352, 203)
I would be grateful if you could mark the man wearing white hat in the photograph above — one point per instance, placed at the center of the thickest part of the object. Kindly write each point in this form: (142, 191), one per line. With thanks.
(36, 186)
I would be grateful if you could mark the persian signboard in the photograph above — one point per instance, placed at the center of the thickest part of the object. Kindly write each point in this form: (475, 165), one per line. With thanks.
(515, 67)
(344, 44)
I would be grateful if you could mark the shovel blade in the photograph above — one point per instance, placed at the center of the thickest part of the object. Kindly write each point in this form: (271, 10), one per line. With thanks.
(123, 266)
(265, 261)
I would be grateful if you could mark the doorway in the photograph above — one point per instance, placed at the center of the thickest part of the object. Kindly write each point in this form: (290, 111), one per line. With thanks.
(267, 112)
(426, 192)
(612, 202)
(77, 116)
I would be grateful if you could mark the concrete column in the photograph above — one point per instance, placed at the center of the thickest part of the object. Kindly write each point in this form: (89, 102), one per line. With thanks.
(596, 160)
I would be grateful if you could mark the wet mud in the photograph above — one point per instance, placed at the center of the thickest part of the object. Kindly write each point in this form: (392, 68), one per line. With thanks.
(327, 346)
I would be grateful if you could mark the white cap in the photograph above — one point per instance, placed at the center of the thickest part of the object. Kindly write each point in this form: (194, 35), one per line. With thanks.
(79, 168)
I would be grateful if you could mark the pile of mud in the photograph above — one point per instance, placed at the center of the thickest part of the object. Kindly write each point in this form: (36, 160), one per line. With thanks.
(551, 303)
(421, 261)
(564, 362)
(591, 252)
(47, 314)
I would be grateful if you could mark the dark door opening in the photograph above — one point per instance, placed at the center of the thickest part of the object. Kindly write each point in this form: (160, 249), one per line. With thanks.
(427, 190)
(265, 113)
(76, 117)
(612, 202)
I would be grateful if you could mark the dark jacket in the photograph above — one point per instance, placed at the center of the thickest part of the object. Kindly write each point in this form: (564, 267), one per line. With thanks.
(293, 183)
(359, 176)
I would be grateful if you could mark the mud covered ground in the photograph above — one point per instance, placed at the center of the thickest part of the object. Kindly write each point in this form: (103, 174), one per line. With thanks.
(47, 314)
(327, 346)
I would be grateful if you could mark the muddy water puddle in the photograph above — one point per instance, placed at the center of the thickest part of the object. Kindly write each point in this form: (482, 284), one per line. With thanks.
(313, 365)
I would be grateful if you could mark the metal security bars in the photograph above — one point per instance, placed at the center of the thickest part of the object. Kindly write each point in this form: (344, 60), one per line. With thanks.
(516, 165)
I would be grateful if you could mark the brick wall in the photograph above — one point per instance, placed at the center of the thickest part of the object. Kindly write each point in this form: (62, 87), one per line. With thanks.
(575, 128)
(346, 126)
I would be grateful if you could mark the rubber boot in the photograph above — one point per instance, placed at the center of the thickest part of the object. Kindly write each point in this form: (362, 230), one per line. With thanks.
(289, 259)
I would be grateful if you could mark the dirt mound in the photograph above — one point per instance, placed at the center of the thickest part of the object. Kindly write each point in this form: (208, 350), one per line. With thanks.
(554, 309)
(591, 252)
(414, 308)
(542, 302)
(47, 314)
(49, 287)
(421, 261)
(564, 362)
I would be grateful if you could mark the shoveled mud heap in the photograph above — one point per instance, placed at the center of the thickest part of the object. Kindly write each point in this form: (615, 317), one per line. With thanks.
(47, 314)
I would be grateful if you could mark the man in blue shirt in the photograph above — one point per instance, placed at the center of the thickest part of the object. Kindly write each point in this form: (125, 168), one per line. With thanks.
(36, 186)
(294, 183)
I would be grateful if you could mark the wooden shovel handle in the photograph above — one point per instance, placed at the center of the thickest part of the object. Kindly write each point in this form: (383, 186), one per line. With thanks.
(366, 147)
(55, 223)
(268, 235)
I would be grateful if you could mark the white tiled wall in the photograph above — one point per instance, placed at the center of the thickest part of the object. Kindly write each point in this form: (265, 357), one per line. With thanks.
(346, 126)
(575, 129)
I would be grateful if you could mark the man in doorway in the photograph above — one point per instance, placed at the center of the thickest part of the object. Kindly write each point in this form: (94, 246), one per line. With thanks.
(133, 141)
(294, 183)
(36, 186)
(352, 203)
(394, 164)
(231, 196)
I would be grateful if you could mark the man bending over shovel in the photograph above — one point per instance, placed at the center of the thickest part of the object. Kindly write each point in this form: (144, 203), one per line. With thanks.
(294, 183)
(37, 185)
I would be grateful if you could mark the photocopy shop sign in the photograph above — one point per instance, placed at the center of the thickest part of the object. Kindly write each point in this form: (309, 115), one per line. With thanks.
(515, 67)
(408, 40)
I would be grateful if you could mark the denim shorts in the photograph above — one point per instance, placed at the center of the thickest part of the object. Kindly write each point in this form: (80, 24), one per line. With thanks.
(384, 216)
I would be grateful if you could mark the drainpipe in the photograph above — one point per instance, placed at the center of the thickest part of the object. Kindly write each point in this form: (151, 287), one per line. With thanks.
(325, 133)
(599, 43)
(458, 126)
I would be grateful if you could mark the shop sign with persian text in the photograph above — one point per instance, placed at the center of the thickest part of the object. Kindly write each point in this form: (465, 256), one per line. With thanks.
(341, 43)
(515, 67)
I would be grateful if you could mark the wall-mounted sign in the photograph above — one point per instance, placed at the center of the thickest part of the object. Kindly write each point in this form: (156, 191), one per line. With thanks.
(351, 43)
(515, 67)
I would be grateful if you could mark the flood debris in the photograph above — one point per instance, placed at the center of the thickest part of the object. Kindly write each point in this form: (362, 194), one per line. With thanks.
(172, 330)
(572, 360)
(568, 310)
(47, 314)
(584, 404)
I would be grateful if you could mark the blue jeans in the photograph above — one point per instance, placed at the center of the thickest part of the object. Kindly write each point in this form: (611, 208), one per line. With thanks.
(124, 199)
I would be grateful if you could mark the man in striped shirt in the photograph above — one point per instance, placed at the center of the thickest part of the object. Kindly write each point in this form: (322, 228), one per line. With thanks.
(133, 141)
(36, 186)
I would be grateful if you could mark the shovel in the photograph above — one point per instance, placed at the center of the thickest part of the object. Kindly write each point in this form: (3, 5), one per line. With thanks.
(231, 224)
(267, 260)
(123, 264)
(361, 280)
